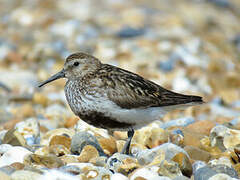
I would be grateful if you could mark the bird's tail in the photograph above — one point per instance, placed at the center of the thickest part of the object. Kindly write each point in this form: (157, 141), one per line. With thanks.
(184, 101)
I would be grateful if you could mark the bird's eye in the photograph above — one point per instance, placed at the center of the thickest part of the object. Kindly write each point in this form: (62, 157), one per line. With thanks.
(76, 63)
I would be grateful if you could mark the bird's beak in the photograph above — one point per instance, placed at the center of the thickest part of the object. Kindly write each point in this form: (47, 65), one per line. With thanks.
(59, 75)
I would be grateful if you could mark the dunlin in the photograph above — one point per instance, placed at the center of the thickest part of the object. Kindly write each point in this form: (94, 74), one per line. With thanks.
(109, 97)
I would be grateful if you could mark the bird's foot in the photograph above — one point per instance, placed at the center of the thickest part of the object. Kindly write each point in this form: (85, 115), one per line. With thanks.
(126, 148)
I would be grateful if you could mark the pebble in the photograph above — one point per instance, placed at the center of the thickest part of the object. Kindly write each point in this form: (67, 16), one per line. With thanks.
(184, 164)
(87, 153)
(181, 178)
(25, 175)
(81, 139)
(7, 170)
(89, 171)
(129, 32)
(222, 176)
(4, 148)
(197, 154)
(144, 173)
(61, 140)
(29, 129)
(165, 151)
(224, 138)
(178, 122)
(208, 171)
(13, 137)
(4, 176)
(118, 176)
(150, 137)
(122, 163)
(49, 161)
(25, 80)
(46, 139)
(14, 154)
(56, 175)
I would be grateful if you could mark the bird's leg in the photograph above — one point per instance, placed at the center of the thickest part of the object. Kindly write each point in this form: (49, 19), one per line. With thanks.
(126, 147)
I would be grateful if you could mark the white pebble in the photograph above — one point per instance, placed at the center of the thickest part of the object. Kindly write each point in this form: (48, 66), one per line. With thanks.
(14, 154)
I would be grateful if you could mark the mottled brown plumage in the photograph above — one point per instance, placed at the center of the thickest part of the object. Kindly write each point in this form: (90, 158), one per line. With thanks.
(110, 97)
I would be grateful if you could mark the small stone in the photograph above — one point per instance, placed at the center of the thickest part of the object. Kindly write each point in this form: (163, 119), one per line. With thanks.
(99, 161)
(178, 122)
(122, 163)
(25, 79)
(14, 154)
(81, 139)
(4, 176)
(50, 161)
(201, 127)
(39, 98)
(221, 176)
(70, 169)
(59, 150)
(181, 178)
(7, 169)
(61, 140)
(177, 137)
(197, 165)
(148, 156)
(144, 174)
(45, 140)
(89, 171)
(224, 138)
(108, 145)
(192, 138)
(4, 148)
(88, 152)
(151, 137)
(118, 176)
(44, 150)
(18, 165)
(184, 164)
(208, 171)
(204, 173)
(169, 169)
(222, 168)
(165, 151)
(68, 158)
(197, 154)
(57, 175)
(221, 3)
(26, 110)
(70, 122)
(13, 137)
(25, 175)
(221, 161)
(129, 32)
(29, 129)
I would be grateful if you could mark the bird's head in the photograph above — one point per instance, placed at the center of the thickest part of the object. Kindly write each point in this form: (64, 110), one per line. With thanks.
(76, 66)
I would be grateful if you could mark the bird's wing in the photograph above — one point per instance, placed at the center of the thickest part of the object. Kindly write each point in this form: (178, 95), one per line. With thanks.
(129, 90)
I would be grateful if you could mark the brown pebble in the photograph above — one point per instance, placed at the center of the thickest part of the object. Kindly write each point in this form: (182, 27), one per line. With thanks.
(184, 163)
(61, 140)
(202, 127)
(88, 152)
(70, 122)
(108, 145)
(197, 154)
(17, 166)
(49, 161)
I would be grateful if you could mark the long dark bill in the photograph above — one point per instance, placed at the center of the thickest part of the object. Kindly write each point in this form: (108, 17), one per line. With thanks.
(59, 75)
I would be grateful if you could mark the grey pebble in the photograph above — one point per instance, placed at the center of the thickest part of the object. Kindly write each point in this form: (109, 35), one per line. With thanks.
(178, 122)
(129, 32)
(81, 139)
